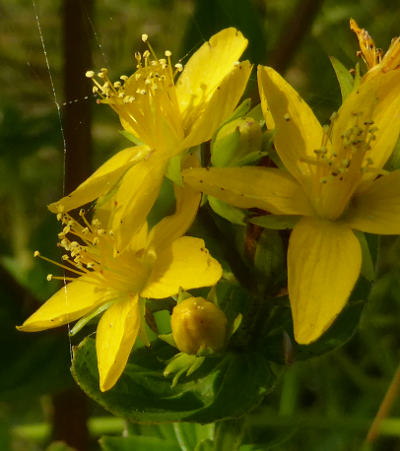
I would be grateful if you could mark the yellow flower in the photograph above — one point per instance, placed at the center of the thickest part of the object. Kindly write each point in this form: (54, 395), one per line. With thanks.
(167, 117)
(156, 264)
(333, 179)
(375, 60)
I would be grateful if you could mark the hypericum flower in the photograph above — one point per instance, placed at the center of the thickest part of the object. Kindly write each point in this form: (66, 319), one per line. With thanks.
(167, 117)
(374, 58)
(156, 264)
(198, 325)
(333, 179)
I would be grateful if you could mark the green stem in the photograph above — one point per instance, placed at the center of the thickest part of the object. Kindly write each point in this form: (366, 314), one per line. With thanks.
(229, 435)
(384, 408)
(231, 255)
(183, 441)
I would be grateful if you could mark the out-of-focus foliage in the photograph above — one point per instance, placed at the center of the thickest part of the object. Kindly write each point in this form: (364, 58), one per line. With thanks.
(324, 403)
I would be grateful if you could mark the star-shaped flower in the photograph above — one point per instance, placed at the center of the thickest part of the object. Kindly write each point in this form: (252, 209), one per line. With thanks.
(169, 110)
(333, 180)
(156, 264)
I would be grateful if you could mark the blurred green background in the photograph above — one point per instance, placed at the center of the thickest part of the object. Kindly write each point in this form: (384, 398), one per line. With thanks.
(321, 404)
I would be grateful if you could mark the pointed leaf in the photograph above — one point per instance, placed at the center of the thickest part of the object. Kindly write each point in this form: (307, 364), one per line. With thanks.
(143, 394)
(344, 77)
(226, 211)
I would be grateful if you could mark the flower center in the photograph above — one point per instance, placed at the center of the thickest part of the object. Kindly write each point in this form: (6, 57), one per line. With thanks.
(146, 101)
(91, 252)
(338, 167)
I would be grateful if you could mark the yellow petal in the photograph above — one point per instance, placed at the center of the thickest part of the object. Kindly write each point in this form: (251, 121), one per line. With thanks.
(186, 263)
(102, 180)
(174, 226)
(135, 197)
(271, 189)
(68, 304)
(324, 262)
(377, 100)
(377, 209)
(204, 121)
(116, 334)
(208, 66)
(298, 131)
(139, 240)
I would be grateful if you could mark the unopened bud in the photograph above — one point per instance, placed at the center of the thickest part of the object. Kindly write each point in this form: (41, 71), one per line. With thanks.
(198, 325)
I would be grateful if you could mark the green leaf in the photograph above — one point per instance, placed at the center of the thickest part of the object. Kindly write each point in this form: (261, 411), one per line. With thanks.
(131, 138)
(229, 435)
(205, 445)
(270, 260)
(226, 211)
(87, 318)
(223, 148)
(367, 268)
(251, 158)
(240, 111)
(279, 324)
(59, 446)
(168, 338)
(344, 77)
(238, 142)
(164, 205)
(186, 435)
(173, 172)
(142, 443)
(337, 335)
(275, 222)
(143, 394)
(256, 113)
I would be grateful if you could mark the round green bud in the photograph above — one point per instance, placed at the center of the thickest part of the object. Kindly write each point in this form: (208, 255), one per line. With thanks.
(197, 325)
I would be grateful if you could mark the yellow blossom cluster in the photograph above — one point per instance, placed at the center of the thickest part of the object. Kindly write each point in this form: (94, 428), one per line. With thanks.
(332, 181)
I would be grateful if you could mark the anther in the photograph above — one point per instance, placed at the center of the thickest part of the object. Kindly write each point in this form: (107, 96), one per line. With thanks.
(49, 277)
(89, 74)
(36, 254)
(168, 53)
(145, 37)
(333, 116)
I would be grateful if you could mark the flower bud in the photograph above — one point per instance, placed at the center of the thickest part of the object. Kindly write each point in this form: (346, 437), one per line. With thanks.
(236, 140)
(198, 324)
